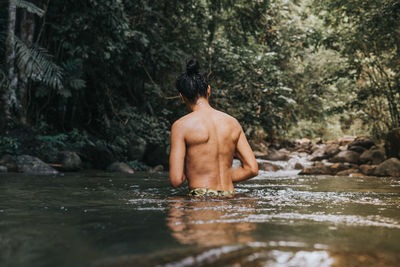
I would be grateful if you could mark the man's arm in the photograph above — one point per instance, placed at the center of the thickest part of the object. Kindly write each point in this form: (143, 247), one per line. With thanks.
(177, 155)
(249, 166)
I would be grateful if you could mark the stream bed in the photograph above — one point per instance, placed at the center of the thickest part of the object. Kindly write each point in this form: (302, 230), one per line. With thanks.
(276, 219)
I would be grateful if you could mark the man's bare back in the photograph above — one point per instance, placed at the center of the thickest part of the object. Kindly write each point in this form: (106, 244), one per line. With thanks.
(204, 142)
(208, 139)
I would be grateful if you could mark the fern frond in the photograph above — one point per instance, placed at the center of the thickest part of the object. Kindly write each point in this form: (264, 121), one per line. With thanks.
(73, 72)
(37, 64)
(29, 6)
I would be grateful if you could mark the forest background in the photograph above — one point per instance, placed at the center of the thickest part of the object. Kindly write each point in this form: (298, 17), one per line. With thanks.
(97, 76)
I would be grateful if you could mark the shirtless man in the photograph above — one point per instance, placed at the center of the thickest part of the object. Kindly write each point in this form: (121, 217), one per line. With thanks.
(204, 142)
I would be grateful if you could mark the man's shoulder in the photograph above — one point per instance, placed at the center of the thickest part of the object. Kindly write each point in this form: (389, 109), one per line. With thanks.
(182, 122)
(228, 117)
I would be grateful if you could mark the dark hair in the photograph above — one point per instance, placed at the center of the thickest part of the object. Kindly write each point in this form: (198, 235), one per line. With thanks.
(191, 84)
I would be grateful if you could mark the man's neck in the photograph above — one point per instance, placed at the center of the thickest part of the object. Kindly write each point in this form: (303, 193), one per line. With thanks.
(201, 103)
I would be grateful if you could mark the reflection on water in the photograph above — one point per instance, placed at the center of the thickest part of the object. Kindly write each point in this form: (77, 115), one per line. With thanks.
(210, 222)
(278, 219)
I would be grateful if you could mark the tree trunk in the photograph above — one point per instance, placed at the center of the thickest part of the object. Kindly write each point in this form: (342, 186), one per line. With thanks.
(10, 96)
(27, 32)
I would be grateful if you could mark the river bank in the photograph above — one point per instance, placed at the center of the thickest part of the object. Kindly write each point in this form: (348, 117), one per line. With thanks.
(346, 156)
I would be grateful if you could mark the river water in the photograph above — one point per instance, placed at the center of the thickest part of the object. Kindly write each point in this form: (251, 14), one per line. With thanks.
(276, 219)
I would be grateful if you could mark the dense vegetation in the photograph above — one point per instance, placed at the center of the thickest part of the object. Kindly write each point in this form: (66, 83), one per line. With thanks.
(101, 72)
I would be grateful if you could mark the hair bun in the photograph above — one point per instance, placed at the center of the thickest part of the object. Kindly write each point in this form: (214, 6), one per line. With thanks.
(192, 67)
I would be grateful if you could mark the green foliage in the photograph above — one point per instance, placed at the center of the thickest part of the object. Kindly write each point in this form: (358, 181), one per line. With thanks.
(282, 68)
(38, 66)
(9, 145)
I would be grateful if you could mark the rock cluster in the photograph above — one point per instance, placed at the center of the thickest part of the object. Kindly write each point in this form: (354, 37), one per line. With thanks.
(357, 157)
(347, 156)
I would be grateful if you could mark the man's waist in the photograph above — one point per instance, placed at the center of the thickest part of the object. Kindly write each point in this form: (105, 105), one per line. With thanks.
(199, 192)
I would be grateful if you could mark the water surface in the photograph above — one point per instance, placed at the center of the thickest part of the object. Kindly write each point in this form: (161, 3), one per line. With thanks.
(279, 219)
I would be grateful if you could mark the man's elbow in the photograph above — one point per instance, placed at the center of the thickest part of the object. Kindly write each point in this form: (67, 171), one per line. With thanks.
(175, 181)
(254, 169)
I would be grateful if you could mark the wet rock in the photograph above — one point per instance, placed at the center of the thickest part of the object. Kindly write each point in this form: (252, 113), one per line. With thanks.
(373, 156)
(361, 141)
(267, 166)
(367, 169)
(3, 169)
(347, 172)
(33, 165)
(70, 161)
(390, 167)
(346, 140)
(346, 156)
(392, 143)
(276, 155)
(259, 154)
(317, 170)
(315, 148)
(9, 162)
(332, 150)
(136, 149)
(319, 155)
(358, 149)
(158, 168)
(120, 167)
(298, 166)
(339, 167)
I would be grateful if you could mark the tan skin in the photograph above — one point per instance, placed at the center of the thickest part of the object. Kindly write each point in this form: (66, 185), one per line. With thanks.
(203, 144)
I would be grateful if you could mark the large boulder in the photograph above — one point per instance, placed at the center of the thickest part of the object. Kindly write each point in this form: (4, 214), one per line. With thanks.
(390, 167)
(70, 161)
(9, 162)
(367, 169)
(346, 156)
(392, 143)
(346, 140)
(32, 165)
(267, 166)
(332, 149)
(325, 152)
(120, 167)
(358, 149)
(374, 156)
(303, 145)
(136, 149)
(319, 155)
(277, 155)
(3, 169)
(361, 141)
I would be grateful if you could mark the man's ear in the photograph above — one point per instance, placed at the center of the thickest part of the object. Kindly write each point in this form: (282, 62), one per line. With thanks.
(208, 91)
